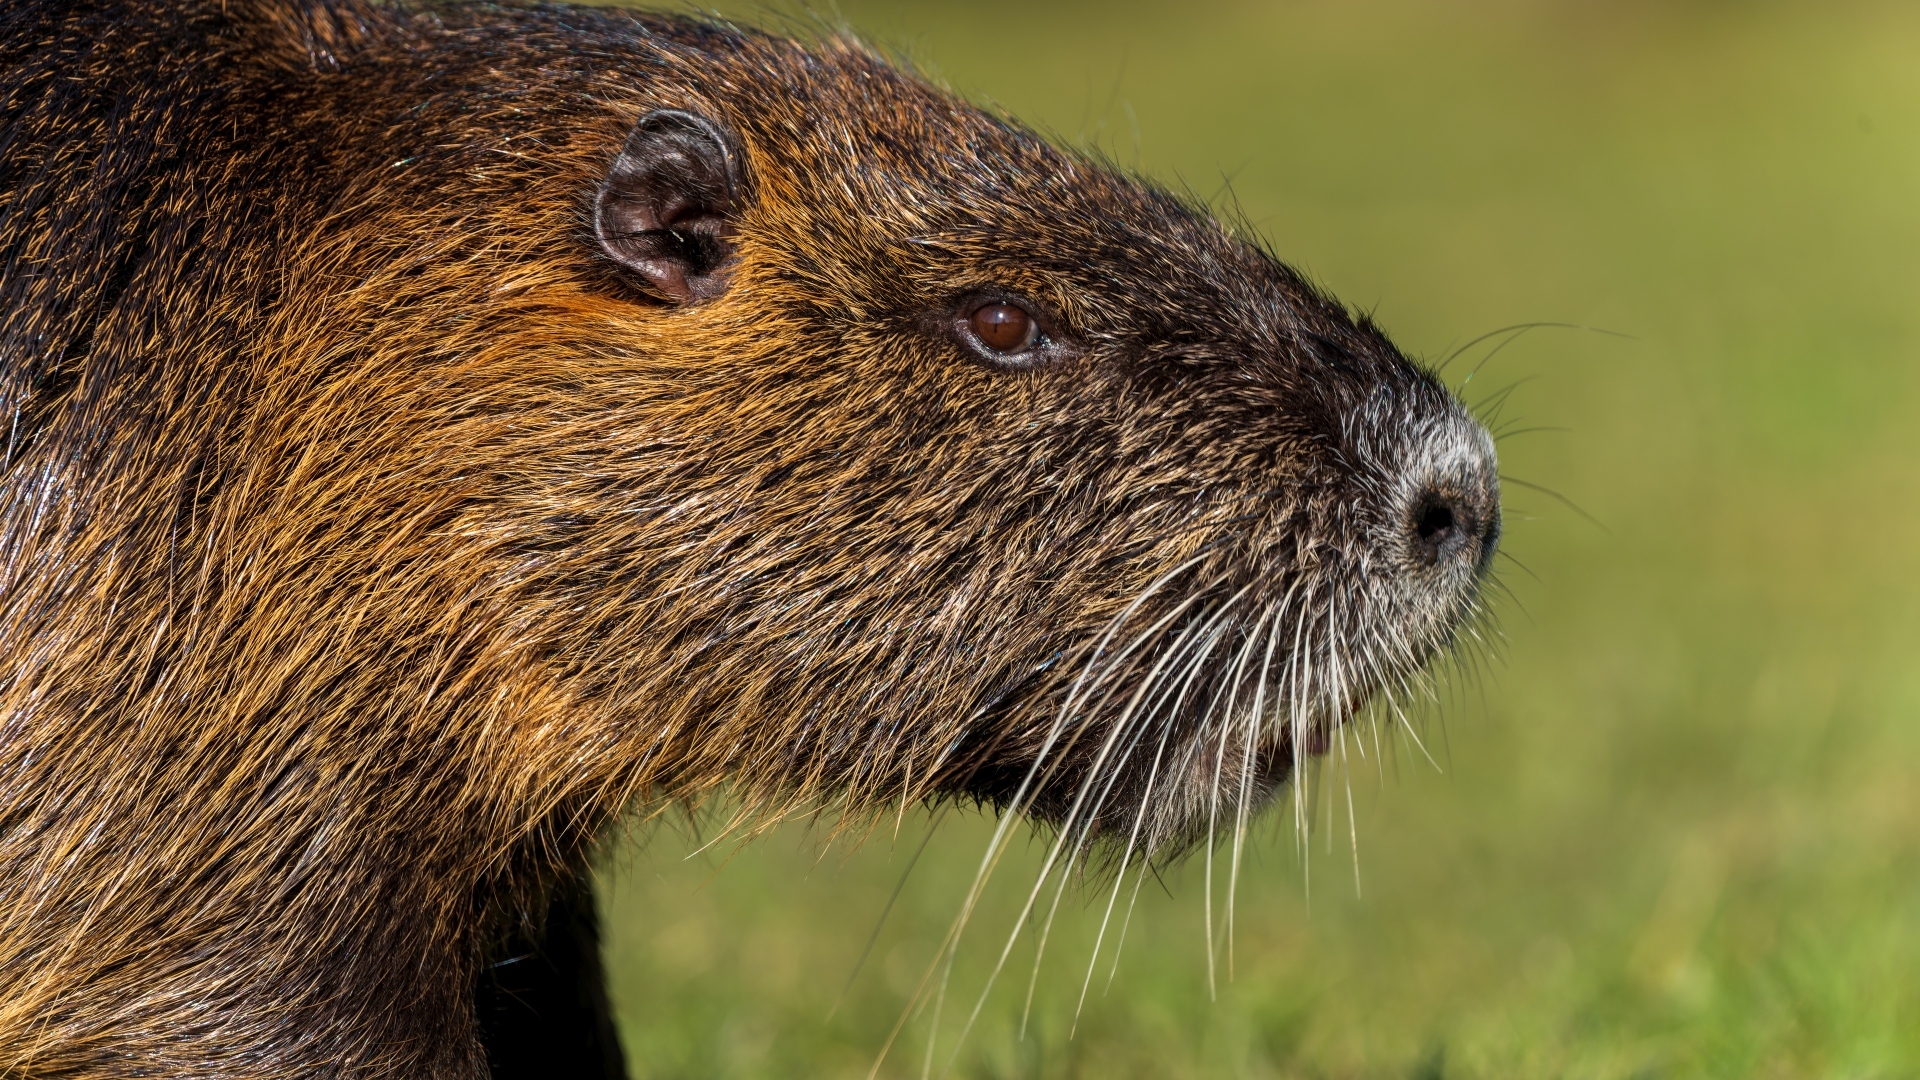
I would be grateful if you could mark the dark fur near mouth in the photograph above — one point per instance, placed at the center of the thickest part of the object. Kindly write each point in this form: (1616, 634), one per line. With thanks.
(431, 432)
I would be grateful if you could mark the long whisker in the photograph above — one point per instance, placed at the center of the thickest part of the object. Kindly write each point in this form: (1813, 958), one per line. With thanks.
(1146, 857)
(1246, 782)
(943, 958)
(881, 922)
(1208, 632)
(1119, 878)
(1519, 328)
(1078, 848)
(1066, 827)
(1193, 671)
(1213, 810)
(1353, 823)
(1552, 494)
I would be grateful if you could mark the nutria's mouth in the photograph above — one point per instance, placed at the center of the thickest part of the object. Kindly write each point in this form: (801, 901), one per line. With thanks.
(1206, 777)
(1214, 783)
(1274, 758)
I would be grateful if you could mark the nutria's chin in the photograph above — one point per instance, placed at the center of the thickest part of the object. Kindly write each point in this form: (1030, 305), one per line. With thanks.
(1207, 774)
(431, 432)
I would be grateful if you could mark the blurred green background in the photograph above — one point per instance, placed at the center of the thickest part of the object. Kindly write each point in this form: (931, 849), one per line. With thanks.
(1673, 829)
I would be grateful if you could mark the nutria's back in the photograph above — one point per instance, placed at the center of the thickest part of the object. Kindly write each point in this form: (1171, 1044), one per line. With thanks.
(429, 433)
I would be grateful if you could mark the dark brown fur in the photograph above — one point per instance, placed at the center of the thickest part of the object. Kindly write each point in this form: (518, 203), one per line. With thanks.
(371, 538)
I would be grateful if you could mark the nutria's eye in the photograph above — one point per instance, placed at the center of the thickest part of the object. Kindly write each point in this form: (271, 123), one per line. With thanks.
(1005, 331)
(1005, 328)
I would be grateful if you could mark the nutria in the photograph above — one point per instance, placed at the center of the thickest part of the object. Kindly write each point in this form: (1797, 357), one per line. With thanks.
(430, 432)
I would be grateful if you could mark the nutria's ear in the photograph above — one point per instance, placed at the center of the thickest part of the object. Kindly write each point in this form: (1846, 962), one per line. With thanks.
(666, 209)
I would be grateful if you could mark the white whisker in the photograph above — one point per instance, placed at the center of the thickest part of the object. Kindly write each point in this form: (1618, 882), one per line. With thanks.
(1069, 821)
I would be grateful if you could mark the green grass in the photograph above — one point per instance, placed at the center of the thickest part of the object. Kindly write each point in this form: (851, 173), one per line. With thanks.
(1674, 830)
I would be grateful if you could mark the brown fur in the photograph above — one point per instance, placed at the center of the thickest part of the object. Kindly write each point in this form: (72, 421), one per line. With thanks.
(370, 540)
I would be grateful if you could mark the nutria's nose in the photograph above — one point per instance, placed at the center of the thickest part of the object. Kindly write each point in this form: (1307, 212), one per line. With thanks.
(1456, 522)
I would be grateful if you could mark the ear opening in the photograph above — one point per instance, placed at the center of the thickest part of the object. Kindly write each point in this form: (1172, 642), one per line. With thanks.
(666, 210)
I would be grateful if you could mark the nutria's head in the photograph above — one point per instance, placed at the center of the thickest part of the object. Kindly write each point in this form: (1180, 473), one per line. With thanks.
(712, 408)
(934, 459)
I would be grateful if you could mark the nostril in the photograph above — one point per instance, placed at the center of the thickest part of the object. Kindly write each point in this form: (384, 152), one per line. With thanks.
(1434, 525)
(1440, 527)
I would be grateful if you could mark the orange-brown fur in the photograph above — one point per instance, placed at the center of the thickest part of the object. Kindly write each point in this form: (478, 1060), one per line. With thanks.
(370, 542)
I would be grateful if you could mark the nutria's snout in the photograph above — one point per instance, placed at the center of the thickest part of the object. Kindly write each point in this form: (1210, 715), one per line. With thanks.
(1452, 522)
(1367, 558)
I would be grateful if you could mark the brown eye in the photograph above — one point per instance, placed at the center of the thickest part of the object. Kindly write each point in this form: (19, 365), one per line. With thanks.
(1004, 328)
